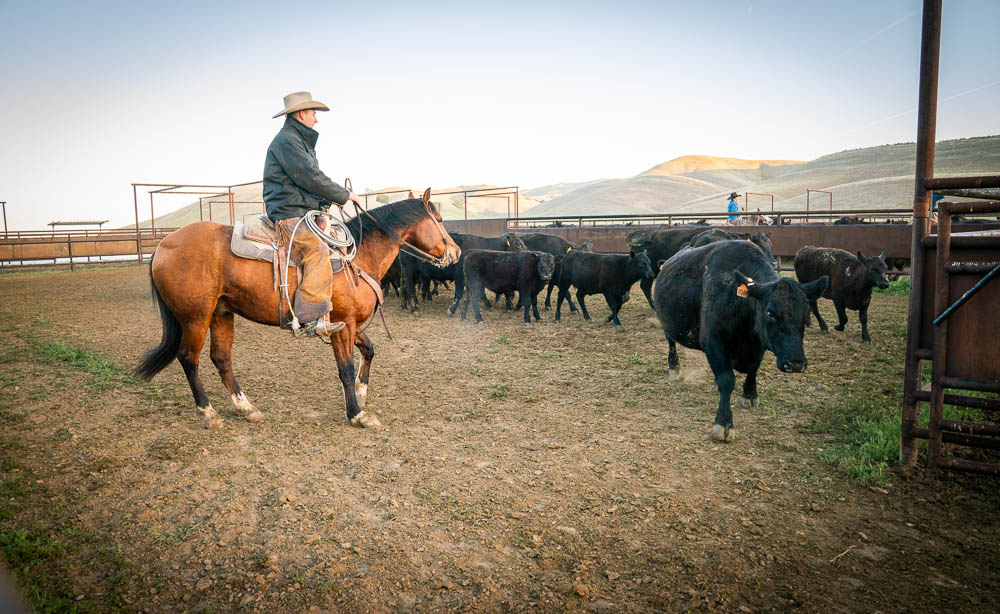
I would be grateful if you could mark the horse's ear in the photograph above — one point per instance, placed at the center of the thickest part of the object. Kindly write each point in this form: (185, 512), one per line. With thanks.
(411, 195)
(427, 196)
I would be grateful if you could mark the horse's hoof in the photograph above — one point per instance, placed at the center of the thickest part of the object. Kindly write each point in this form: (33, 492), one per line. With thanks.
(242, 403)
(721, 433)
(365, 420)
(747, 403)
(212, 419)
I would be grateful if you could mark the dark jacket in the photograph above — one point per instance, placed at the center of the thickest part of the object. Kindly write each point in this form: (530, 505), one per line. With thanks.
(293, 183)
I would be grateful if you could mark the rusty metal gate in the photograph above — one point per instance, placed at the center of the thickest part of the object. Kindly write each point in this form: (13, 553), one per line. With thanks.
(960, 339)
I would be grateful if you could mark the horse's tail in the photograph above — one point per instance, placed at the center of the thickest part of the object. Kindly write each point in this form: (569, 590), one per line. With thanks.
(156, 359)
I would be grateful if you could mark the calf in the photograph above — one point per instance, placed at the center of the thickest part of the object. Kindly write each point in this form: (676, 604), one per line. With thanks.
(391, 278)
(503, 272)
(661, 244)
(558, 247)
(760, 239)
(508, 242)
(609, 274)
(416, 273)
(851, 281)
(725, 300)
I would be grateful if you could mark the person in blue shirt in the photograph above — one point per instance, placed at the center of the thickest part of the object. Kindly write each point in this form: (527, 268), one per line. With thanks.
(734, 207)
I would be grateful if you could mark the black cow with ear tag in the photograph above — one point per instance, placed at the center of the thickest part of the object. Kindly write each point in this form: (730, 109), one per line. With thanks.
(725, 300)
(851, 281)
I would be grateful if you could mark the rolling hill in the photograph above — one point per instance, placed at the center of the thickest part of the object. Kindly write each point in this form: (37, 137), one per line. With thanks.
(869, 178)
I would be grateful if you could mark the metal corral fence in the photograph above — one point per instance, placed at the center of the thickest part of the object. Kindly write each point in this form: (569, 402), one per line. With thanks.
(102, 246)
(871, 232)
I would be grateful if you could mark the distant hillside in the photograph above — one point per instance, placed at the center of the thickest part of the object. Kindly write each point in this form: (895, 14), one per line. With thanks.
(869, 178)
(545, 192)
(691, 164)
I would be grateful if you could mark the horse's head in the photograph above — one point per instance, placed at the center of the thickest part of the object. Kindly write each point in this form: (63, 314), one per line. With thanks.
(431, 236)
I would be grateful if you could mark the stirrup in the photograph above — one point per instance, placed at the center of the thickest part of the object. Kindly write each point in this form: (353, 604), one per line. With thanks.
(322, 327)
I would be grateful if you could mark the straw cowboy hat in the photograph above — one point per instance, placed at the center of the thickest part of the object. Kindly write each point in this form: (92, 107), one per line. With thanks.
(300, 101)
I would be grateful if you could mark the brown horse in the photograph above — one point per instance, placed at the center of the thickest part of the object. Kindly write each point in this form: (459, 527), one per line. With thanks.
(199, 284)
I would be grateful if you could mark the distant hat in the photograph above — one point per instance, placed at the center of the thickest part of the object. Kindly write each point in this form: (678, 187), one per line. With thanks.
(731, 196)
(300, 101)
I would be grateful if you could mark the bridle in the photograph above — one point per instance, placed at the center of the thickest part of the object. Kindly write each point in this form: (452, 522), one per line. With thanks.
(411, 249)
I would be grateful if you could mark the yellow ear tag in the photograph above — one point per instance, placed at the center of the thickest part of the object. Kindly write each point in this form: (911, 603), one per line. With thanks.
(569, 249)
(743, 291)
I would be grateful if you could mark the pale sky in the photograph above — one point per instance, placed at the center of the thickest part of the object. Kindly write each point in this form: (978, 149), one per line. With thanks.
(98, 95)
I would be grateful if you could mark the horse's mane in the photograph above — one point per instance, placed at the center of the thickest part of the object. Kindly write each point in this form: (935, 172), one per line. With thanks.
(397, 217)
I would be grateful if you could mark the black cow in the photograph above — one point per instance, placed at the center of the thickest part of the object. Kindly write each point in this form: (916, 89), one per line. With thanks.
(725, 300)
(761, 239)
(849, 219)
(391, 278)
(503, 272)
(416, 274)
(896, 264)
(660, 244)
(851, 281)
(508, 242)
(612, 275)
(558, 247)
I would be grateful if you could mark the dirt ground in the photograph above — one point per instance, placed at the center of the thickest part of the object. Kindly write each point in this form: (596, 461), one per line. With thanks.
(550, 468)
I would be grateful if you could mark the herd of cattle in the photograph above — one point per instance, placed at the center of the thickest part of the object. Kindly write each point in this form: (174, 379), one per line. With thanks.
(712, 290)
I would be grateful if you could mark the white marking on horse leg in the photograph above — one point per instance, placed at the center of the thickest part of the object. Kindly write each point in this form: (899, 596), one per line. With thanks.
(243, 404)
(730, 433)
(361, 392)
(365, 419)
(212, 419)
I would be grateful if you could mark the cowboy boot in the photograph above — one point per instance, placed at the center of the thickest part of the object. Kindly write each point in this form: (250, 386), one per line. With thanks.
(322, 327)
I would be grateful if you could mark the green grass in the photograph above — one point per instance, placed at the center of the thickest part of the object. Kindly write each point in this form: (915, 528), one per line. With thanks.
(28, 553)
(867, 443)
(900, 287)
(106, 373)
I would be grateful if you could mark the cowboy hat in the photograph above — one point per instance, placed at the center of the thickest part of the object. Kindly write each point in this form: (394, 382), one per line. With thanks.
(731, 196)
(300, 101)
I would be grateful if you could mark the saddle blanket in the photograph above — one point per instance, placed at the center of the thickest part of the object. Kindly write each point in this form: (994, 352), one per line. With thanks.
(257, 242)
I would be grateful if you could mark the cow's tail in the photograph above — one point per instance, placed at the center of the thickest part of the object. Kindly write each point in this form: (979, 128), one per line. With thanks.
(156, 359)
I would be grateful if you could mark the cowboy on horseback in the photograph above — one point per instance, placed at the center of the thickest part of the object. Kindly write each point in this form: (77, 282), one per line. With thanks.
(294, 185)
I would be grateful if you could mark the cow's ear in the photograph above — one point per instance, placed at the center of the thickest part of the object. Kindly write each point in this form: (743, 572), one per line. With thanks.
(814, 289)
(882, 256)
(768, 234)
(631, 254)
(861, 256)
(660, 263)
